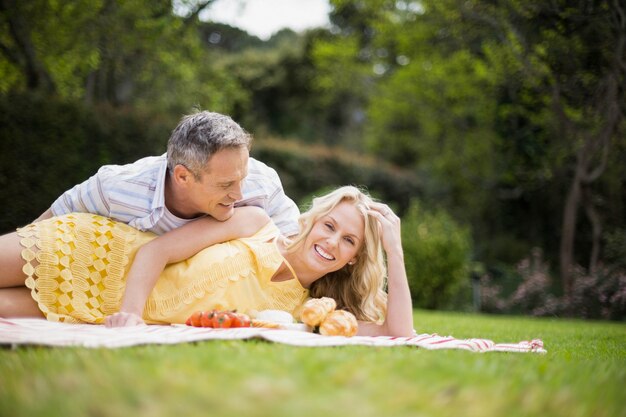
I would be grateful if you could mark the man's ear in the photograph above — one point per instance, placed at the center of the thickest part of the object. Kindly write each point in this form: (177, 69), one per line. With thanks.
(182, 176)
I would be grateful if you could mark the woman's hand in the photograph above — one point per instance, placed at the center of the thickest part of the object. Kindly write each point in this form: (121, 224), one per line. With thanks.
(123, 319)
(175, 246)
(399, 318)
(389, 227)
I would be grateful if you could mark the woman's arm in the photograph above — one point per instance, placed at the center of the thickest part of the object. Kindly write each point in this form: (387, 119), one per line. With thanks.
(399, 318)
(175, 246)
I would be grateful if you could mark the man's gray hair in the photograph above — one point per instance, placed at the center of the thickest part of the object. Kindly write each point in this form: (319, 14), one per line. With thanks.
(199, 136)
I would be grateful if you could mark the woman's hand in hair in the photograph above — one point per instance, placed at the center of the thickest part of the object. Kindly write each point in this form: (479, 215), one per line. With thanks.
(389, 227)
(399, 319)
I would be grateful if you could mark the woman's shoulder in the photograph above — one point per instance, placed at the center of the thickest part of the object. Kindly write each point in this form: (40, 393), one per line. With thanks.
(266, 233)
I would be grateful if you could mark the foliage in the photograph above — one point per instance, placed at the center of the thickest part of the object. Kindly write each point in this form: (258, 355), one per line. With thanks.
(49, 145)
(436, 256)
(278, 81)
(121, 53)
(428, 101)
(41, 54)
(596, 295)
(305, 169)
(583, 374)
(500, 108)
(227, 38)
(574, 91)
(615, 248)
(436, 116)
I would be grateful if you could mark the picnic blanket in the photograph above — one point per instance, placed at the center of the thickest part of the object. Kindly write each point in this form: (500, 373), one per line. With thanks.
(15, 332)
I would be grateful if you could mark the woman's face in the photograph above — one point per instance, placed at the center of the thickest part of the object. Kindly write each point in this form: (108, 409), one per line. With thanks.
(335, 239)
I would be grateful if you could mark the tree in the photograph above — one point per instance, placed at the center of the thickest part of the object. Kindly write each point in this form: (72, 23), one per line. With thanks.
(26, 32)
(574, 60)
(511, 109)
(134, 52)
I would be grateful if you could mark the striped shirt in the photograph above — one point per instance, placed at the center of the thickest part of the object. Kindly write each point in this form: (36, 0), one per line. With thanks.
(134, 194)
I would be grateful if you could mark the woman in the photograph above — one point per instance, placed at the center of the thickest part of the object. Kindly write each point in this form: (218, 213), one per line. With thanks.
(75, 268)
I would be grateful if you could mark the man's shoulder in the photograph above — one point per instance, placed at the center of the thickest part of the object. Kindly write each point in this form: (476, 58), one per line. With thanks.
(144, 170)
(134, 189)
(258, 170)
(262, 181)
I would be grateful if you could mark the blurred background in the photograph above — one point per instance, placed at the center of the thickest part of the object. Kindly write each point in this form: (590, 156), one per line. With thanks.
(495, 129)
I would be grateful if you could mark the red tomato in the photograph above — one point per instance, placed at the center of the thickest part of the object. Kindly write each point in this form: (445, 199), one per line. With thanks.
(218, 319)
(241, 320)
(224, 319)
(205, 319)
(235, 319)
(195, 318)
(214, 322)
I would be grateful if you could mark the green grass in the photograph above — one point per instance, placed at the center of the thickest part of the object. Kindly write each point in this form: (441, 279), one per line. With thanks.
(583, 374)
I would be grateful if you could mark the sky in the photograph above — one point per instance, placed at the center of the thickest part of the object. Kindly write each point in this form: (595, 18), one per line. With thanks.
(263, 18)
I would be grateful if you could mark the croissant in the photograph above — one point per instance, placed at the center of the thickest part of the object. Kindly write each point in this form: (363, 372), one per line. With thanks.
(315, 310)
(339, 323)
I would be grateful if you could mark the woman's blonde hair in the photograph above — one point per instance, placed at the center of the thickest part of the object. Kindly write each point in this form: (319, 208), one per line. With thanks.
(358, 288)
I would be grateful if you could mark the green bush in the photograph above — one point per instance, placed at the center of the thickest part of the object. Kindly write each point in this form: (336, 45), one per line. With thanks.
(436, 254)
(47, 145)
(306, 169)
(599, 294)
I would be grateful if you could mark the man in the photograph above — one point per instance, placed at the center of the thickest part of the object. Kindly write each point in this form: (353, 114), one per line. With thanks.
(206, 171)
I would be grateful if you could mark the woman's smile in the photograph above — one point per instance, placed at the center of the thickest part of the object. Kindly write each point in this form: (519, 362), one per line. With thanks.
(323, 253)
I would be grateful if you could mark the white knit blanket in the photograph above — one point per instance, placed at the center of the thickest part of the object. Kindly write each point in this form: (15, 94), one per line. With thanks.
(17, 332)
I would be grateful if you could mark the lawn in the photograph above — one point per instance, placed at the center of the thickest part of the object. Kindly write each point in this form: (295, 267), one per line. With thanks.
(583, 374)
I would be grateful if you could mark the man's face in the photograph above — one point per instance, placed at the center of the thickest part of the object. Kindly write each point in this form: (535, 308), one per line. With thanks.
(220, 185)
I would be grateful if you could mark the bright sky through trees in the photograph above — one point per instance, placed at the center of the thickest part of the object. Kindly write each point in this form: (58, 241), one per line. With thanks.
(263, 18)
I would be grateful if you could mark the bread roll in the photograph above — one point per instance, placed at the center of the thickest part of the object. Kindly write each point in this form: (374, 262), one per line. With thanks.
(339, 323)
(315, 310)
